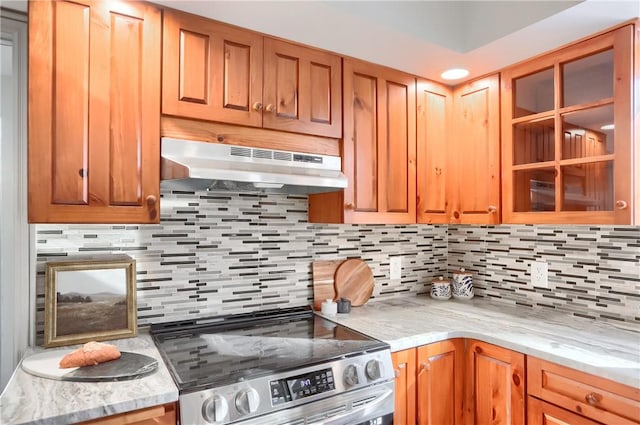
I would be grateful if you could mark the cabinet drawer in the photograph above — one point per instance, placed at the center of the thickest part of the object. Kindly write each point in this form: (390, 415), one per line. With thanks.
(542, 413)
(591, 396)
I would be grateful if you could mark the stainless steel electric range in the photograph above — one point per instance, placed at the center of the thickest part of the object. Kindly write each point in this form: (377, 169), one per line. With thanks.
(278, 368)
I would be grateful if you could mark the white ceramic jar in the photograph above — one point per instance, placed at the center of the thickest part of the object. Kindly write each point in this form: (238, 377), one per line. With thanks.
(329, 308)
(462, 285)
(441, 288)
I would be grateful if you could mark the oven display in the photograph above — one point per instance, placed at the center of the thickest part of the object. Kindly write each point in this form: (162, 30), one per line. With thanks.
(297, 387)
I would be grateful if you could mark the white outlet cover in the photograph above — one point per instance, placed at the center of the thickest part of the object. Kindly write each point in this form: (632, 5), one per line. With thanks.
(395, 268)
(540, 274)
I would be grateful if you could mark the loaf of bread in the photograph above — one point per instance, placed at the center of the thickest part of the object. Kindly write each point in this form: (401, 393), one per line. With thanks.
(90, 354)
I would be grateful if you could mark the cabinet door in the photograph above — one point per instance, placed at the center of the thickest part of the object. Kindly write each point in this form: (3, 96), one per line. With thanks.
(379, 145)
(475, 153)
(434, 116)
(568, 132)
(495, 383)
(542, 413)
(404, 364)
(211, 71)
(157, 415)
(440, 369)
(302, 89)
(94, 98)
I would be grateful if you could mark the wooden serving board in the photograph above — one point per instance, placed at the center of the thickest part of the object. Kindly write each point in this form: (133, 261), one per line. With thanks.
(128, 366)
(354, 281)
(323, 284)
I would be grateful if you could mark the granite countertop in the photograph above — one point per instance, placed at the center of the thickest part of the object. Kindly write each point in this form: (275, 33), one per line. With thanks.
(28, 399)
(598, 348)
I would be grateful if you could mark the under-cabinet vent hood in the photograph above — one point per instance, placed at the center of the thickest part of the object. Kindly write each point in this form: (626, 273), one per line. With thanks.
(190, 165)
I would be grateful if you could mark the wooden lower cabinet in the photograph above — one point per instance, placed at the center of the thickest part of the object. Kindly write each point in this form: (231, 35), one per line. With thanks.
(542, 413)
(440, 368)
(431, 382)
(582, 395)
(494, 385)
(404, 365)
(157, 415)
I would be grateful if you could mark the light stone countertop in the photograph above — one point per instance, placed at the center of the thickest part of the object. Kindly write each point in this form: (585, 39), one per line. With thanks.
(28, 399)
(594, 347)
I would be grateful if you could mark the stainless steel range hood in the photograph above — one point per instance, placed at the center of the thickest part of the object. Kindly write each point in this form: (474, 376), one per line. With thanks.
(189, 165)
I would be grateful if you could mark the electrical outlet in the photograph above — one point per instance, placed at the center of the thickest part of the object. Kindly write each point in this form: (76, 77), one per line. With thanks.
(540, 274)
(395, 268)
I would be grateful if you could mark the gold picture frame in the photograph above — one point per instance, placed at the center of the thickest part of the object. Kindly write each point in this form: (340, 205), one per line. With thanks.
(89, 300)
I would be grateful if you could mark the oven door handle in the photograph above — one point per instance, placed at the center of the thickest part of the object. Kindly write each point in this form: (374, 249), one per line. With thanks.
(361, 413)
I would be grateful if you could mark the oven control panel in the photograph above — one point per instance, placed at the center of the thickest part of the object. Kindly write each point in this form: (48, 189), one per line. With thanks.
(301, 386)
(250, 399)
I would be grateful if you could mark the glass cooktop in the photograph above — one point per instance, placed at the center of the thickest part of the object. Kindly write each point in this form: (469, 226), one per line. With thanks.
(218, 351)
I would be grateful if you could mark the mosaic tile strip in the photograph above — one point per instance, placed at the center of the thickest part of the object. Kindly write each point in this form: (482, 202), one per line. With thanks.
(222, 253)
(594, 271)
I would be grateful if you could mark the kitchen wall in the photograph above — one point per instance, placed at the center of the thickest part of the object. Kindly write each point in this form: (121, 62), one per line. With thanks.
(220, 253)
(594, 271)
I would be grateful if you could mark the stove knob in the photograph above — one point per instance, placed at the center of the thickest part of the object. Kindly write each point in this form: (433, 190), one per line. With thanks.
(215, 409)
(350, 375)
(247, 401)
(372, 369)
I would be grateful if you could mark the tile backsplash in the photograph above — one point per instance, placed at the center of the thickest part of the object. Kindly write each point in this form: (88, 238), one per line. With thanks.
(221, 253)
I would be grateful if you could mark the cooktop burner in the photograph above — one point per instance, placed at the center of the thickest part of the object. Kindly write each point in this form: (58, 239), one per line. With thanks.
(218, 351)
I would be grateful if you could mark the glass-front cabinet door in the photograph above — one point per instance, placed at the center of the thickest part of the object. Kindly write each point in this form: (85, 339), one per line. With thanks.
(567, 133)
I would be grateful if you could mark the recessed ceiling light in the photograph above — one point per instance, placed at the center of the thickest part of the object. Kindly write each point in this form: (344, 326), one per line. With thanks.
(454, 74)
(607, 127)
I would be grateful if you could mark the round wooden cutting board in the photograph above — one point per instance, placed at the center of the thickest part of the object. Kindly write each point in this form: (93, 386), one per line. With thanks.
(354, 281)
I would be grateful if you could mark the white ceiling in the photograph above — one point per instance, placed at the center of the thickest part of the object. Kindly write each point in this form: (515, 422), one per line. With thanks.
(421, 37)
(424, 37)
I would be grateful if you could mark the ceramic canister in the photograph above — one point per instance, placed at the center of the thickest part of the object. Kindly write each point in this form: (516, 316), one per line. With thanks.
(462, 284)
(441, 288)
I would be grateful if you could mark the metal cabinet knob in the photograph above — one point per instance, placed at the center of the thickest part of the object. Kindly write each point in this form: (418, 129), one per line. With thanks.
(257, 106)
(270, 108)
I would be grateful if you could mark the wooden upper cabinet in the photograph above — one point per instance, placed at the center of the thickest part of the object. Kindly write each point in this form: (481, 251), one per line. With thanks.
(94, 101)
(434, 172)
(218, 72)
(211, 71)
(458, 151)
(474, 155)
(440, 372)
(302, 89)
(495, 385)
(378, 151)
(568, 134)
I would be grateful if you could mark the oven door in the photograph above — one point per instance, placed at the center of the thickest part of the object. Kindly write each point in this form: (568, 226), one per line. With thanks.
(371, 405)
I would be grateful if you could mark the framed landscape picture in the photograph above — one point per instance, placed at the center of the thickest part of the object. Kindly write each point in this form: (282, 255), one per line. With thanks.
(89, 300)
